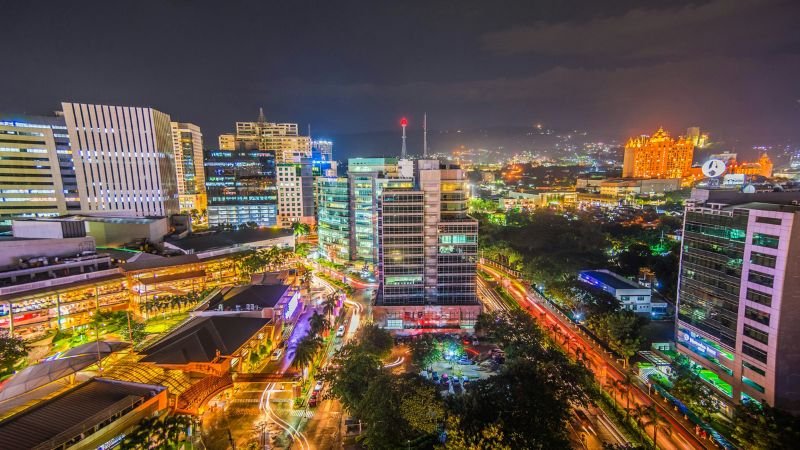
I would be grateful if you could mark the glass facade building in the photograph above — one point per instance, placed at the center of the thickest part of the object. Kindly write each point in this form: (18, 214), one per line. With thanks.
(738, 302)
(333, 218)
(241, 188)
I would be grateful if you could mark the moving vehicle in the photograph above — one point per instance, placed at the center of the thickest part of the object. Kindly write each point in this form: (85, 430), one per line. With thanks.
(276, 355)
(340, 331)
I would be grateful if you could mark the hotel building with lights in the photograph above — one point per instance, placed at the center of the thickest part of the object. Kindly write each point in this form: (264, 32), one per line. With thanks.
(658, 156)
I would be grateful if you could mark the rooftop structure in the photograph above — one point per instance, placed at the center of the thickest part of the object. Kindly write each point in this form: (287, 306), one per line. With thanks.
(87, 416)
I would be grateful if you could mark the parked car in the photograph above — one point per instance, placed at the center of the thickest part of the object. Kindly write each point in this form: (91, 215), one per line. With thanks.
(312, 402)
(318, 386)
(276, 355)
(340, 331)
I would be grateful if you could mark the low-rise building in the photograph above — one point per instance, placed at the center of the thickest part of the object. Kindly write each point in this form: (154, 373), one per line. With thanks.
(95, 414)
(631, 295)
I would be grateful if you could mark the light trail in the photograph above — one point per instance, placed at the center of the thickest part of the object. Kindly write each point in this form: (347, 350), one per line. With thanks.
(394, 363)
(294, 433)
(599, 358)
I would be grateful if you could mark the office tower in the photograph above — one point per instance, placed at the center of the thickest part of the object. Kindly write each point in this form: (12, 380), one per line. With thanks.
(241, 188)
(295, 193)
(738, 317)
(427, 252)
(333, 218)
(124, 160)
(37, 176)
(187, 143)
(657, 156)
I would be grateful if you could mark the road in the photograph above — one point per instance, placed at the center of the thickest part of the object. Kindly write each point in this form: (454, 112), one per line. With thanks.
(600, 362)
(597, 428)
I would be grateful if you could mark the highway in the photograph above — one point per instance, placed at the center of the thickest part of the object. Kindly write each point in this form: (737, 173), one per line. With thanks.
(600, 362)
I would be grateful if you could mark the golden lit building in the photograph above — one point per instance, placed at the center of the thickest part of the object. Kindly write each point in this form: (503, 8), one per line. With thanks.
(658, 156)
(762, 167)
(187, 142)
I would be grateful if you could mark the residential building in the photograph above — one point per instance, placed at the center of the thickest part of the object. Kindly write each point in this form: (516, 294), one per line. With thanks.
(295, 193)
(187, 143)
(241, 188)
(739, 295)
(657, 156)
(427, 252)
(124, 159)
(37, 176)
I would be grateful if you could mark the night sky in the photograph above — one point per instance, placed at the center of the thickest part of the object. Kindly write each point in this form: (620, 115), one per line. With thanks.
(615, 68)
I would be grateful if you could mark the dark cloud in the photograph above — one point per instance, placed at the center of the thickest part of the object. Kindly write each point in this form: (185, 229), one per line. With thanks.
(719, 27)
(613, 67)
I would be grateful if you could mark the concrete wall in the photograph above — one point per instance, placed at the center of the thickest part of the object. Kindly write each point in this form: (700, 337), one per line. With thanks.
(12, 250)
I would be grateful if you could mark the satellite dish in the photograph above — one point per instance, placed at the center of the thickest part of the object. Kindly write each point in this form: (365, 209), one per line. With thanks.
(713, 168)
(749, 189)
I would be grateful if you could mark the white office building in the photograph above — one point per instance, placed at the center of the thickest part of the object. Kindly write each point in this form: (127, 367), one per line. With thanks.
(124, 159)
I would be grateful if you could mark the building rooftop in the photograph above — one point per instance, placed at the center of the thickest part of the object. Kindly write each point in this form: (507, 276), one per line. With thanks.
(104, 219)
(263, 296)
(56, 421)
(610, 279)
(762, 206)
(224, 239)
(201, 338)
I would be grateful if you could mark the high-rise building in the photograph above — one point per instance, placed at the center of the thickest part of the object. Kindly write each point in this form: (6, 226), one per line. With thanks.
(322, 158)
(699, 140)
(295, 193)
(333, 218)
(124, 159)
(282, 139)
(427, 252)
(187, 143)
(738, 314)
(241, 188)
(658, 156)
(37, 176)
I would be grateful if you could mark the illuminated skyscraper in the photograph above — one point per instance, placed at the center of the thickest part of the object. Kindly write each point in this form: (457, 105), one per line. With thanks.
(427, 252)
(658, 156)
(187, 142)
(124, 159)
(295, 193)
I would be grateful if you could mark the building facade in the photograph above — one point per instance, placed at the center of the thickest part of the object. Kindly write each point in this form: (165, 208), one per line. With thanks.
(37, 175)
(241, 188)
(333, 218)
(739, 298)
(427, 252)
(187, 143)
(295, 193)
(658, 156)
(124, 159)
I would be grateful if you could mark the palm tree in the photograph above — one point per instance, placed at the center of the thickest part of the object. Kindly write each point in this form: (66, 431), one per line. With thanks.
(624, 386)
(329, 304)
(612, 385)
(647, 416)
(300, 229)
(305, 352)
(318, 323)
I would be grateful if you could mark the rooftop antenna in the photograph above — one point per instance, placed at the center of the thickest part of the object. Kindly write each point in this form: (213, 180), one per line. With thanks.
(404, 124)
(425, 135)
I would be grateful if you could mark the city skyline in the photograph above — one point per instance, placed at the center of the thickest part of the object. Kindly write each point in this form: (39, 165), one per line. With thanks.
(570, 66)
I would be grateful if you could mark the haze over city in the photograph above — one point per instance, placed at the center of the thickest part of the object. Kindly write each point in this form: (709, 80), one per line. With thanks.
(347, 68)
